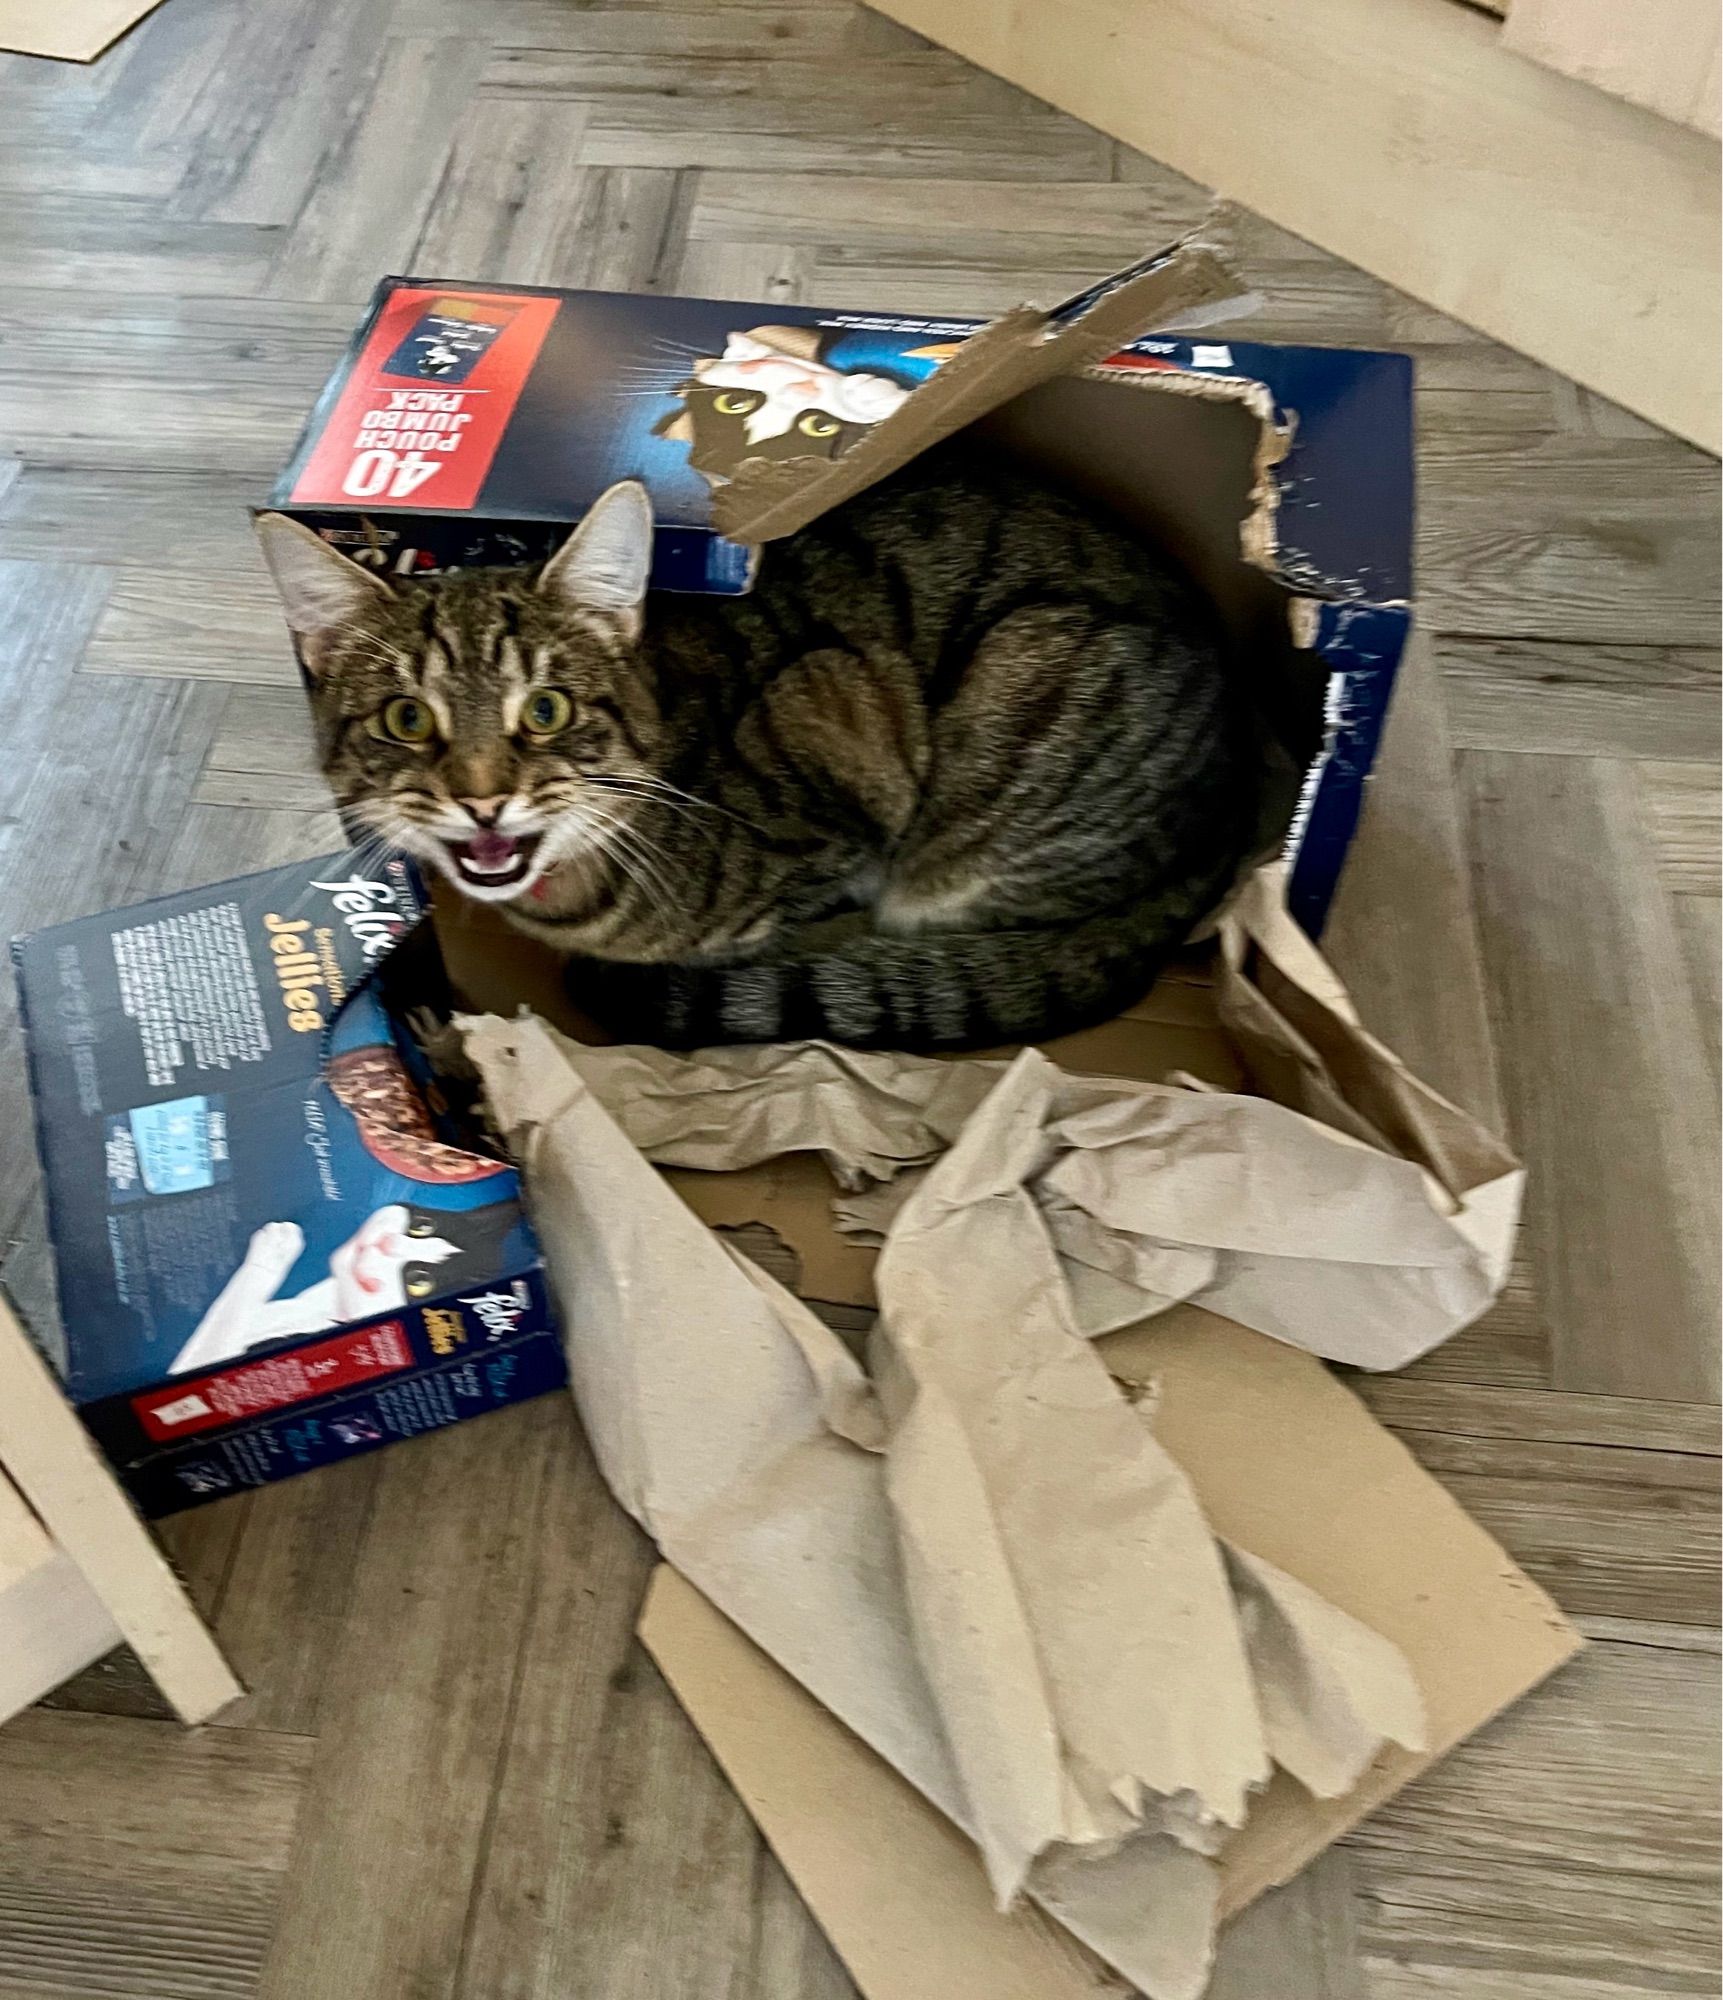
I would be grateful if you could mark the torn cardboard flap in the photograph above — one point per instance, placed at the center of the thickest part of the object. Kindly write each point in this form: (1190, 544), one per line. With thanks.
(766, 500)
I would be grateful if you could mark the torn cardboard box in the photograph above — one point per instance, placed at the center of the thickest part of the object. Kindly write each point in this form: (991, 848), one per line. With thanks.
(979, 1557)
(475, 425)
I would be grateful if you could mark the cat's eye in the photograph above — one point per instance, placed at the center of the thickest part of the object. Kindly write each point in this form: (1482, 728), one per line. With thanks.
(420, 1228)
(736, 402)
(816, 424)
(546, 712)
(405, 720)
(420, 1288)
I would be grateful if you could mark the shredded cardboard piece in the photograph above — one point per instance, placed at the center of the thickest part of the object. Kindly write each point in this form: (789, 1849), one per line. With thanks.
(769, 499)
(1332, 1690)
(1056, 1566)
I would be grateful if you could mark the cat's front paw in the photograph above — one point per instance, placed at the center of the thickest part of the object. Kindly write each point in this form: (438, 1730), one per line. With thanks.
(274, 1250)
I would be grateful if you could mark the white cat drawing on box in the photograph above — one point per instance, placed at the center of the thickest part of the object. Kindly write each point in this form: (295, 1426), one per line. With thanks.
(374, 1271)
(774, 389)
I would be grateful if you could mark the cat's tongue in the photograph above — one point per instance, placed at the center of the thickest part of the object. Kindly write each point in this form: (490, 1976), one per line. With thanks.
(492, 859)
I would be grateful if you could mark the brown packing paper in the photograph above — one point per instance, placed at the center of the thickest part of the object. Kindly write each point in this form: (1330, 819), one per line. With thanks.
(830, 1563)
(804, 1536)
(1279, 1452)
(1318, 1229)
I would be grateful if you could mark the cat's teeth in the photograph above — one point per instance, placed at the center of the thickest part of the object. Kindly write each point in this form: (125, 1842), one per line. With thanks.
(493, 860)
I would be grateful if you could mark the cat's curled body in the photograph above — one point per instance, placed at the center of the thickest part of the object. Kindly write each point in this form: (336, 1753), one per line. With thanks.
(964, 767)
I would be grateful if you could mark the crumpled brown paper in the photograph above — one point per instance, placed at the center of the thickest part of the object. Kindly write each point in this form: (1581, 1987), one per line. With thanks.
(975, 1553)
(1153, 1195)
(741, 1434)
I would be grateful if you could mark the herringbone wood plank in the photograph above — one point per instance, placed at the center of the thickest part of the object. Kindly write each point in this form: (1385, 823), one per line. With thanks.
(495, 1799)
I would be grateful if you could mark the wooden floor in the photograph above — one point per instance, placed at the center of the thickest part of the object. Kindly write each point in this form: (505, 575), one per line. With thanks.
(456, 1778)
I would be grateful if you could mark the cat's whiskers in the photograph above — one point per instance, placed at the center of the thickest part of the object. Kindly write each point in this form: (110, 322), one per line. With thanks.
(686, 810)
(635, 856)
(661, 790)
(666, 345)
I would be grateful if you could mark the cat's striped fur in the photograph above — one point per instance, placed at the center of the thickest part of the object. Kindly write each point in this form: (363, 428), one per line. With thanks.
(964, 767)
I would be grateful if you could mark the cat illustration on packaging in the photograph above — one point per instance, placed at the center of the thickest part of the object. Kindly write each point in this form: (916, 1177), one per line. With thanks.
(774, 393)
(403, 1252)
(397, 1256)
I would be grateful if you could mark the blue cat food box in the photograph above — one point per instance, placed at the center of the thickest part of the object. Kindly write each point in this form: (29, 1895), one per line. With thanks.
(276, 1245)
(475, 424)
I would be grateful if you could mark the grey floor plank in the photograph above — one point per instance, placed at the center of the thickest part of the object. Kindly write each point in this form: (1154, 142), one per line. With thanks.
(991, 225)
(215, 625)
(618, 1862)
(1573, 1839)
(1581, 700)
(95, 773)
(130, 518)
(371, 197)
(139, 1860)
(303, 112)
(415, 1702)
(1601, 1049)
(1525, 535)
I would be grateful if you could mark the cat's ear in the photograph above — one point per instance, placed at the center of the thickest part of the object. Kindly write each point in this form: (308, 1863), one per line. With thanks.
(321, 591)
(604, 564)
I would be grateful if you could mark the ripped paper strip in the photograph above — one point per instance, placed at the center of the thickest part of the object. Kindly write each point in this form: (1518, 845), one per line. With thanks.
(1153, 1195)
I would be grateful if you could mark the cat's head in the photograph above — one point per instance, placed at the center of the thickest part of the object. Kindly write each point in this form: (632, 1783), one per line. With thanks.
(490, 722)
(389, 1262)
(770, 395)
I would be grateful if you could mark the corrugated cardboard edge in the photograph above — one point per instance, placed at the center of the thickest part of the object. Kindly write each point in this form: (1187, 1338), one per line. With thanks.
(1258, 532)
(68, 30)
(894, 1885)
(1013, 353)
(1279, 1451)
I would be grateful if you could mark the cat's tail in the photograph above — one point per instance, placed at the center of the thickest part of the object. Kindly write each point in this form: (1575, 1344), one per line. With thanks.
(932, 990)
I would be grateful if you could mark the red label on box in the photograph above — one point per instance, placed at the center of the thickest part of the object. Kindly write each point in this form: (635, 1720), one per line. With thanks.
(418, 421)
(183, 1408)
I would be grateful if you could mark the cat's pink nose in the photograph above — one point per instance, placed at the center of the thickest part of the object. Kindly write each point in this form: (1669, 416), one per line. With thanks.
(486, 811)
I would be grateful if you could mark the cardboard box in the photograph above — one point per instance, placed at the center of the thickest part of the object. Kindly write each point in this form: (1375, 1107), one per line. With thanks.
(470, 425)
(271, 1251)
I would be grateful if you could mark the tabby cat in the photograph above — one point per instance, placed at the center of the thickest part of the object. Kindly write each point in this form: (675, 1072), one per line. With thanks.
(964, 768)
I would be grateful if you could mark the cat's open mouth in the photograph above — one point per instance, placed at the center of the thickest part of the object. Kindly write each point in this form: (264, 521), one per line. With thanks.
(494, 860)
